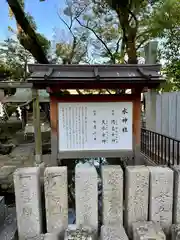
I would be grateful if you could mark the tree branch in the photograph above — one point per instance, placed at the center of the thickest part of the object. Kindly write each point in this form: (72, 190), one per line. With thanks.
(65, 23)
(98, 37)
(35, 46)
(117, 44)
(141, 43)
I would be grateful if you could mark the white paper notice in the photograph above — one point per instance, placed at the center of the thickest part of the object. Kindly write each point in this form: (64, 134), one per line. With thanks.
(95, 126)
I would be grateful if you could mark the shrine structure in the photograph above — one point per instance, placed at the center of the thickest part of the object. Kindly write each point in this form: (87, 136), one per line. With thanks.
(94, 125)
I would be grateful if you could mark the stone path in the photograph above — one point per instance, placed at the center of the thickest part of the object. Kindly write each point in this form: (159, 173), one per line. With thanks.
(21, 156)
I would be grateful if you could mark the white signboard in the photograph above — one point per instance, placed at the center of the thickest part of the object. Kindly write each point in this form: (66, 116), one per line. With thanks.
(95, 126)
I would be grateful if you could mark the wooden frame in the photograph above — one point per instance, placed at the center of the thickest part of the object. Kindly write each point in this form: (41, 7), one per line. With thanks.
(134, 98)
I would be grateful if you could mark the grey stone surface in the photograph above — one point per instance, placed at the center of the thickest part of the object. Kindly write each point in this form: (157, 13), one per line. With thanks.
(2, 210)
(176, 198)
(6, 170)
(28, 202)
(112, 176)
(56, 198)
(175, 232)
(51, 236)
(143, 230)
(8, 230)
(113, 233)
(86, 196)
(161, 196)
(84, 233)
(136, 195)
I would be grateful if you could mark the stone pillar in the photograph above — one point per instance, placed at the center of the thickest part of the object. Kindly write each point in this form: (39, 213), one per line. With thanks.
(56, 198)
(161, 196)
(136, 195)
(72, 232)
(51, 236)
(176, 198)
(112, 232)
(112, 176)
(147, 230)
(151, 112)
(86, 196)
(2, 210)
(28, 202)
(46, 236)
(175, 232)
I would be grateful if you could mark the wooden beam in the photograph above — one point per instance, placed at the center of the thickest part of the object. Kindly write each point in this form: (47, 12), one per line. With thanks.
(36, 49)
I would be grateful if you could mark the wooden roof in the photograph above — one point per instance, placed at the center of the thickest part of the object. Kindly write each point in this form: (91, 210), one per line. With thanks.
(95, 76)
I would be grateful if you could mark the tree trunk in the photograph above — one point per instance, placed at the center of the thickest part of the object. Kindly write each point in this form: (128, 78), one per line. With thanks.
(131, 45)
(129, 35)
(131, 51)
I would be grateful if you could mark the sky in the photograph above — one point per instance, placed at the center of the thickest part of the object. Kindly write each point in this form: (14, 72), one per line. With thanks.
(44, 13)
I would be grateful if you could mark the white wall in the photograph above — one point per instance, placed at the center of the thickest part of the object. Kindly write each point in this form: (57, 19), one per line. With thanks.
(163, 113)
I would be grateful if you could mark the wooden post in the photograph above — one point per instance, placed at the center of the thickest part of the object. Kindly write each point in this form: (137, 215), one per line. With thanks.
(37, 127)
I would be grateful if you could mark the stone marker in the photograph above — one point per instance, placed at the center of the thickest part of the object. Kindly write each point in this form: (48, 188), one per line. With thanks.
(112, 177)
(28, 202)
(56, 198)
(113, 232)
(85, 233)
(176, 198)
(147, 230)
(86, 196)
(51, 236)
(136, 195)
(175, 232)
(161, 196)
(46, 236)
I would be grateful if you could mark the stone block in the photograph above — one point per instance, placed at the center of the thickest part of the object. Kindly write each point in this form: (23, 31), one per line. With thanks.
(113, 232)
(9, 227)
(85, 233)
(112, 177)
(56, 198)
(51, 236)
(176, 198)
(86, 196)
(136, 195)
(2, 210)
(161, 196)
(175, 232)
(28, 202)
(144, 230)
